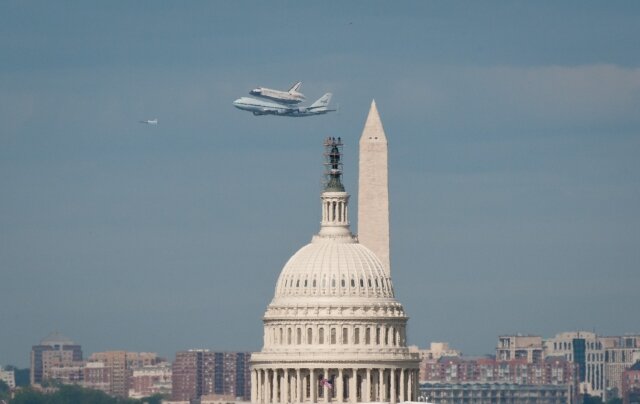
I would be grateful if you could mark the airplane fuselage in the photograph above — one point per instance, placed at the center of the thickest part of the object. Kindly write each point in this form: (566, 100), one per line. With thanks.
(262, 107)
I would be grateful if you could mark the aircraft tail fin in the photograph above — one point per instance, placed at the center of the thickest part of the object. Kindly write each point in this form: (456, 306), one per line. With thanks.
(295, 87)
(322, 102)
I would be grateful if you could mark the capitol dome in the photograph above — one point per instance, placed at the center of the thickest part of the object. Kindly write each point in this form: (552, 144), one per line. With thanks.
(334, 332)
(330, 268)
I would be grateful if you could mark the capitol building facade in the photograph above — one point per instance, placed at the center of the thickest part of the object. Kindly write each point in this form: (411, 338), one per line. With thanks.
(334, 331)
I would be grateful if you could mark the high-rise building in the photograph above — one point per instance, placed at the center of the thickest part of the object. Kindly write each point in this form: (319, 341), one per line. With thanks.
(373, 189)
(600, 360)
(485, 375)
(116, 364)
(54, 350)
(148, 380)
(111, 371)
(97, 376)
(199, 372)
(334, 330)
(8, 376)
(584, 349)
(630, 392)
(620, 353)
(528, 347)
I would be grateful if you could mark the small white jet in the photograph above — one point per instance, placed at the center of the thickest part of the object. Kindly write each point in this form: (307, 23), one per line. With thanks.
(150, 121)
(292, 96)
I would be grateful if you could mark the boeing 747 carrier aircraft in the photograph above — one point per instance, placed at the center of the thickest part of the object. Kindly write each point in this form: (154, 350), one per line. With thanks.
(260, 107)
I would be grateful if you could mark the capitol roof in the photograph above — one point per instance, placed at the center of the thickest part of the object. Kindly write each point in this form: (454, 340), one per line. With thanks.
(327, 267)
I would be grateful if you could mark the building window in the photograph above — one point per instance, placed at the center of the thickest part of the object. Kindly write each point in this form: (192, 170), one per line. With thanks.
(289, 335)
(309, 336)
(299, 336)
(321, 335)
(345, 335)
(378, 336)
(367, 336)
(281, 339)
(333, 335)
(356, 335)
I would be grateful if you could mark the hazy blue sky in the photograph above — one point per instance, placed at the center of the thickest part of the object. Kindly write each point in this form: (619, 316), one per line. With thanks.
(514, 131)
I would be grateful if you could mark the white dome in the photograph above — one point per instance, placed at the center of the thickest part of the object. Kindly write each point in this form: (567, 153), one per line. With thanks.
(334, 267)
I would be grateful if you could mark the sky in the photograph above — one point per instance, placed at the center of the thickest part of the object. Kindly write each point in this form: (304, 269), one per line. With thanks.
(514, 144)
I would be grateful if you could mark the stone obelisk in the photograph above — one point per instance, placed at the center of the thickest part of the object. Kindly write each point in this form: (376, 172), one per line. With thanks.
(373, 189)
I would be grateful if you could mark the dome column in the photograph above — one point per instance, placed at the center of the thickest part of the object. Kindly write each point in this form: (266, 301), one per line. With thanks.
(340, 395)
(394, 395)
(298, 386)
(274, 386)
(402, 389)
(254, 386)
(312, 385)
(367, 396)
(286, 396)
(267, 387)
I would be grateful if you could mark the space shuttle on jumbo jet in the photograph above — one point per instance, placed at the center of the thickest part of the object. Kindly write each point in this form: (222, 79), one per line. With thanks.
(292, 96)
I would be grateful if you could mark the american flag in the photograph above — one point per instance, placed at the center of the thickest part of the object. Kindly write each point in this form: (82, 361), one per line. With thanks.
(325, 383)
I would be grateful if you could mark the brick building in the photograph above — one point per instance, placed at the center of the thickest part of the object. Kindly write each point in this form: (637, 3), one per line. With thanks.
(199, 372)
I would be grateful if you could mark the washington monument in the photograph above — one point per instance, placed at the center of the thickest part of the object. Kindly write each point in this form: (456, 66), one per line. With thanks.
(373, 188)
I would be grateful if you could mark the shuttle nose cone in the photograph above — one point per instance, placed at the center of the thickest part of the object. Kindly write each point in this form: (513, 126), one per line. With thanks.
(254, 91)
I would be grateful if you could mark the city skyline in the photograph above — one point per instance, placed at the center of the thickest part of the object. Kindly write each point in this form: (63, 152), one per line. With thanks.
(513, 174)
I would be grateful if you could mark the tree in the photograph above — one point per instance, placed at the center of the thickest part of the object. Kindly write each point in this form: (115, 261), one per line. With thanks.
(4, 390)
(592, 399)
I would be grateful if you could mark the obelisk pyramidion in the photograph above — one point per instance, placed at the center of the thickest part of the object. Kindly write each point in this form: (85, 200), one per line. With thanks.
(373, 189)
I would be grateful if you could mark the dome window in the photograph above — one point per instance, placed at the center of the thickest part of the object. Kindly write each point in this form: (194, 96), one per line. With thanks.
(305, 283)
(361, 283)
(353, 283)
(333, 335)
(369, 281)
(343, 283)
(314, 283)
(321, 335)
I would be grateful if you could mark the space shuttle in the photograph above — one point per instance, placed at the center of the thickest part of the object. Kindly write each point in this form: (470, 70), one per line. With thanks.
(292, 96)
